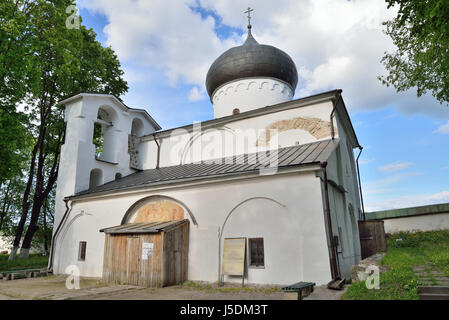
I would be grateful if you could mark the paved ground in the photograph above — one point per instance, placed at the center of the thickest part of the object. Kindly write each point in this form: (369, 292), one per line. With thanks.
(53, 288)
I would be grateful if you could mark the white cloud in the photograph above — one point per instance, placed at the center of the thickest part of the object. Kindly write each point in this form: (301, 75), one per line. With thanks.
(366, 161)
(166, 35)
(195, 94)
(334, 43)
(386, 185)
(412, 200)
(393, 167)
(444, 128)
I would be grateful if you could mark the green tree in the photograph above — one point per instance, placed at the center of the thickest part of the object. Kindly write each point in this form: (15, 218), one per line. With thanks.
(60, 62)
(420, 32)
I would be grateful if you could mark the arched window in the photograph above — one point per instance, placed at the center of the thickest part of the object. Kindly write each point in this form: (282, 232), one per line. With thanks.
(235, 111)
(96, 178)
(103, 134)
(118, 176)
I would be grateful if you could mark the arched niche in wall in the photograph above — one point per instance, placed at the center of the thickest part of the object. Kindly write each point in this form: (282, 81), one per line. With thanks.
(213, 143)
(133, 140)
(158, 209)
(96, 178)
(137, 127)
(103, 135)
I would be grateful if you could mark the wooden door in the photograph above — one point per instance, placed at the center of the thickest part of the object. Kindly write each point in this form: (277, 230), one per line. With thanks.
(372, 237)
(176, 255)
(133, 260)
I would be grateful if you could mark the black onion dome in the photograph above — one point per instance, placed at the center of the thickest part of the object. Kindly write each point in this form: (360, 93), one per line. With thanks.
(251, 60)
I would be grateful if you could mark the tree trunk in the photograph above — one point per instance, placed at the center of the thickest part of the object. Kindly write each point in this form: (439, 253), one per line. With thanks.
(40, 196)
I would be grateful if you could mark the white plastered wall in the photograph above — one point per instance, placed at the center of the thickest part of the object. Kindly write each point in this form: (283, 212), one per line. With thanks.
(237, 137)
(78, 151)
(426, 222)
(249, 94)
(293, 232)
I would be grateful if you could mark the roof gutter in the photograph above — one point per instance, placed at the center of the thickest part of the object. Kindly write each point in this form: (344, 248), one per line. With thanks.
(158, 150)
(53, 240)
(362, 217)
(334, 259)
(333, 115)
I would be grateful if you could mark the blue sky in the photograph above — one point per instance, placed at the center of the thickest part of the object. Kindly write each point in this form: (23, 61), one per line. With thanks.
(166, 48)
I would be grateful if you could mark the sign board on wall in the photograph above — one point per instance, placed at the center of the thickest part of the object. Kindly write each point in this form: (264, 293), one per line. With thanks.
(147, 250)
(234, 251)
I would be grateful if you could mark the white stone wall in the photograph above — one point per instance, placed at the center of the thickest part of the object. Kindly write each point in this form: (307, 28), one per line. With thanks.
(240, 136)
(428, 222)
(288, 215)
(249, 94)
(78, 151)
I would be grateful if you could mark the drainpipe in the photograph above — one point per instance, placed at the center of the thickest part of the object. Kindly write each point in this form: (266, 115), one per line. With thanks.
(332, 116)
(335, 272)
(360, 185)
(53, 240)
(158, 150)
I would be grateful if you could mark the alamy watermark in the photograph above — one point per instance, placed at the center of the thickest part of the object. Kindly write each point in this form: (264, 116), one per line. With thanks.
(230, 147)
(371, 275)
(74, 20)
(73, 280)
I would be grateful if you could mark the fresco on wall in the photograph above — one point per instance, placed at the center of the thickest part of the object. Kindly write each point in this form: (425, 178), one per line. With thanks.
(160, 211)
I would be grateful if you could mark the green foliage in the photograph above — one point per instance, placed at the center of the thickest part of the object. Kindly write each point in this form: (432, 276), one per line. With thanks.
(42, 62)
(405, 249)
(33, 261)
(98, 139)
(420, 32)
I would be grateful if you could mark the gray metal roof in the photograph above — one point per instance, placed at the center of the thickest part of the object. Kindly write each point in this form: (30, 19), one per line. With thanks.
(306, 154)
(144, 227)
(251, 60)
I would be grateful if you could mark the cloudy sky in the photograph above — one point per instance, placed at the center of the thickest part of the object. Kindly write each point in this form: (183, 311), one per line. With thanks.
(166, 48)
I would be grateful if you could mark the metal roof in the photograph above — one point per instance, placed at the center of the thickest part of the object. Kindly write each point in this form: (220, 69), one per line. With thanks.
(251, 60)
(144, 227)
(408, 212)
(306, 154)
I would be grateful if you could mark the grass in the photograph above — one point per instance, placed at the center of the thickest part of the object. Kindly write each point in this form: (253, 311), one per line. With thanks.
(211, 288)
(33, 261)
(405, 249)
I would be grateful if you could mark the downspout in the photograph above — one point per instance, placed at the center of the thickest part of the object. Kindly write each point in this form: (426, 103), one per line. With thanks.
(158, 150)
(53, 240)
(332, 116)
(335, 272)
(360, 185)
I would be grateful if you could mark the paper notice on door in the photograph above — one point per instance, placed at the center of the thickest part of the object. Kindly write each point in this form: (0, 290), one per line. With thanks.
(147, 250)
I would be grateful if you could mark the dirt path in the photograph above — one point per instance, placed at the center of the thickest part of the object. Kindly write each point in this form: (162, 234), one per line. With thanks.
(53, 288)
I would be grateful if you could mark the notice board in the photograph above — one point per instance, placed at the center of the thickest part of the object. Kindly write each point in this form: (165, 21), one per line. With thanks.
(234, 252)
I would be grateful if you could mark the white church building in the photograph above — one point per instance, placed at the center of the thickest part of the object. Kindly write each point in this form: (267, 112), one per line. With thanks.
(277, 172)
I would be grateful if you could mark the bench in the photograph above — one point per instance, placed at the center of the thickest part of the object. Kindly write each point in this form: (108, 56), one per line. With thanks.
(433, 293)
(302, 288)
(20, 274)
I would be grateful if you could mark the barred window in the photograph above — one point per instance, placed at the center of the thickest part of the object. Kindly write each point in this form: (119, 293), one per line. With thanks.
(82, 251)
(256, 252)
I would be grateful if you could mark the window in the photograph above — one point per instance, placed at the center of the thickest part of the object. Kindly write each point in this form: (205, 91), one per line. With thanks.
(82, 251)
(118, 176)
(235, 111)
(256, 254)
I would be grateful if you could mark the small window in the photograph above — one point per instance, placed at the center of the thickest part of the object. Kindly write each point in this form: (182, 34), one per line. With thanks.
(118, 176)
(256, 252)
(235, 111)
(82, 251)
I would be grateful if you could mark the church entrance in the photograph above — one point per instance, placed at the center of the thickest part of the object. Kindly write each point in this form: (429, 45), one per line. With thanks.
(150, 254)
